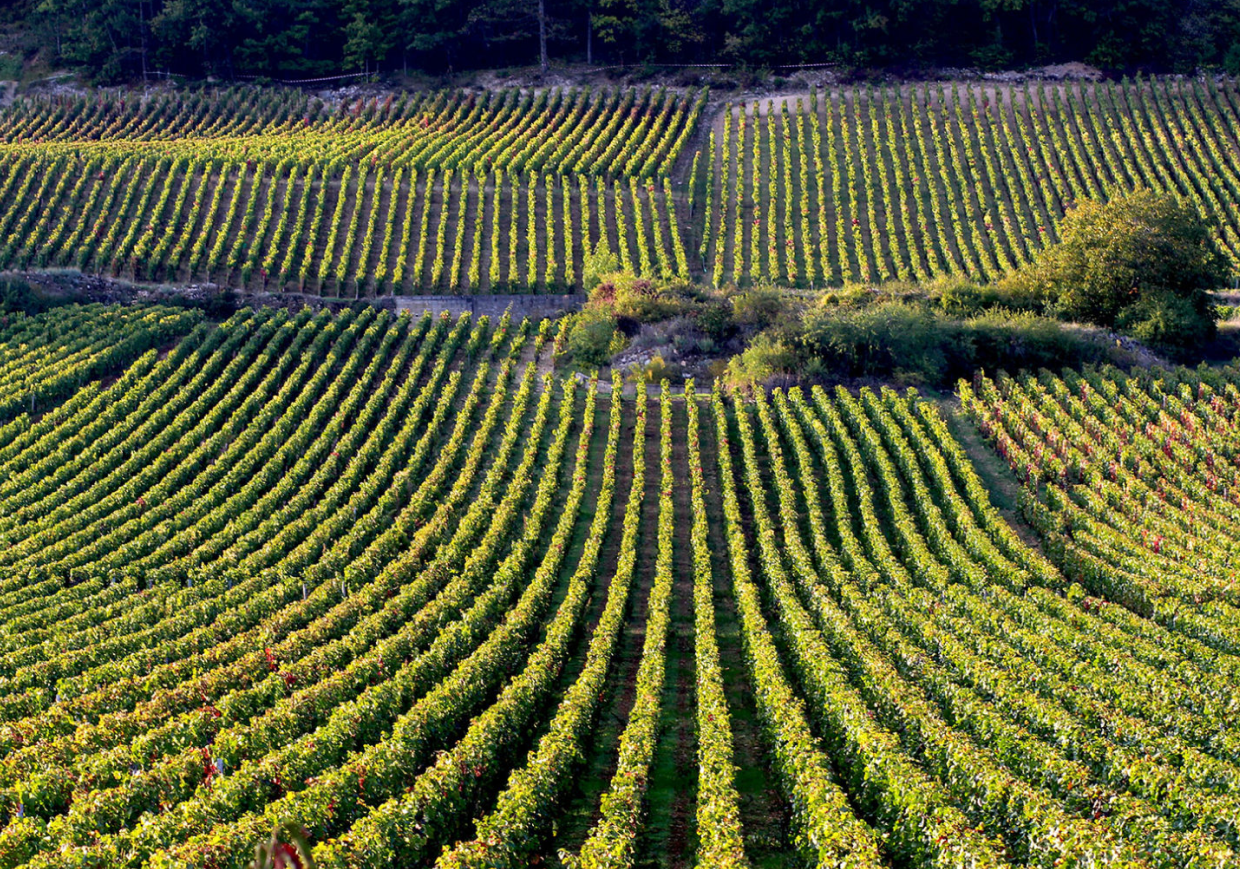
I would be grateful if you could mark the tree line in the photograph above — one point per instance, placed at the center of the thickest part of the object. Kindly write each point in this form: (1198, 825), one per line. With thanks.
(115, 40)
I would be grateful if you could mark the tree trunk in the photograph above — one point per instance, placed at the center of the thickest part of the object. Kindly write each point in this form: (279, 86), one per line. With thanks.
(589, 38)
(542, 34)
(142, 32)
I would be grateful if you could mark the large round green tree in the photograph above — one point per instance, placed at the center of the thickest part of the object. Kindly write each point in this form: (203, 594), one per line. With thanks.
(1142, 264)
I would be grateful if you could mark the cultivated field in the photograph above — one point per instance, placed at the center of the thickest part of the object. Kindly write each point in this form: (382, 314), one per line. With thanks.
(912, 182)
(1140, 475)
(513, 191)
(395, 580)
(441, 192)
(404, 582)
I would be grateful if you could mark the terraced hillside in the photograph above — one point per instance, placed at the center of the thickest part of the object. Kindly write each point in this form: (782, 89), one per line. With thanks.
(438, 191)
(915, 181)
(512, 191)
(397, 581)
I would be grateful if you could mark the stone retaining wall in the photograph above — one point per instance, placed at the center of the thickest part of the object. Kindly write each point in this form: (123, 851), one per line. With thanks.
(533, 306)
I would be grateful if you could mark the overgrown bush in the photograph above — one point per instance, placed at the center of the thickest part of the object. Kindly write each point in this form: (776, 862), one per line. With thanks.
(591, 336)
(760, 306)
(713, 317)
(909, 341)
(1014, 340)
(1143, 263)
(767, 359)
(637, 298)
(1164, 319)
(17, 295)
(598, 266)
(887, 338)
(960, 297)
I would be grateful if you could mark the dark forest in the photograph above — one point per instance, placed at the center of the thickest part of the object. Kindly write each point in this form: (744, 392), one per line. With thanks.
(118, 40)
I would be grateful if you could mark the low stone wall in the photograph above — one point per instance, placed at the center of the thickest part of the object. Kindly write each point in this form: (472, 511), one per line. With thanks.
(531, 305)
(72, 285)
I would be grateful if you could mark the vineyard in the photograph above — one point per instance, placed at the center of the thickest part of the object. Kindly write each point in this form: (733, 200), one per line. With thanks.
(434, 192)
(47, 357)
(912, 182)
(396, 580)
(1132, 479)
(517, 191)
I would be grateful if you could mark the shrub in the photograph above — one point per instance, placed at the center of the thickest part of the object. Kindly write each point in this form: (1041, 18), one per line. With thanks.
(963, 298)
(1015, 340)
(713, 318)
(640, 299)
(644, 300)
(883, 338)
(760, 306)
(1169, 320)
(765, 359)
(1142, 263)
(918, 343)
(654, 371)
(600, 263)
(591, 336)
(17, 295)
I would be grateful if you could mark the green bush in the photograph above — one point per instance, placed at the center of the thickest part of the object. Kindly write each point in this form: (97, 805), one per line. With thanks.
(1014, 340)
(591, 335)
(916, 342)
(10, 68)
(1142, 263)
(641, 299)
(760, 306)
(1168, 320)
(849, 295)
(962, 298)
(766, 358)
(713, 317)
(1226, 313)
(17, 295)
(884, 338)
(598, 265)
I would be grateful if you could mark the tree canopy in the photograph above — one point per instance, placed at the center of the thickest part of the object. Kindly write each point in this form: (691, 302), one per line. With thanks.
(1142, 263)
(117, 39)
